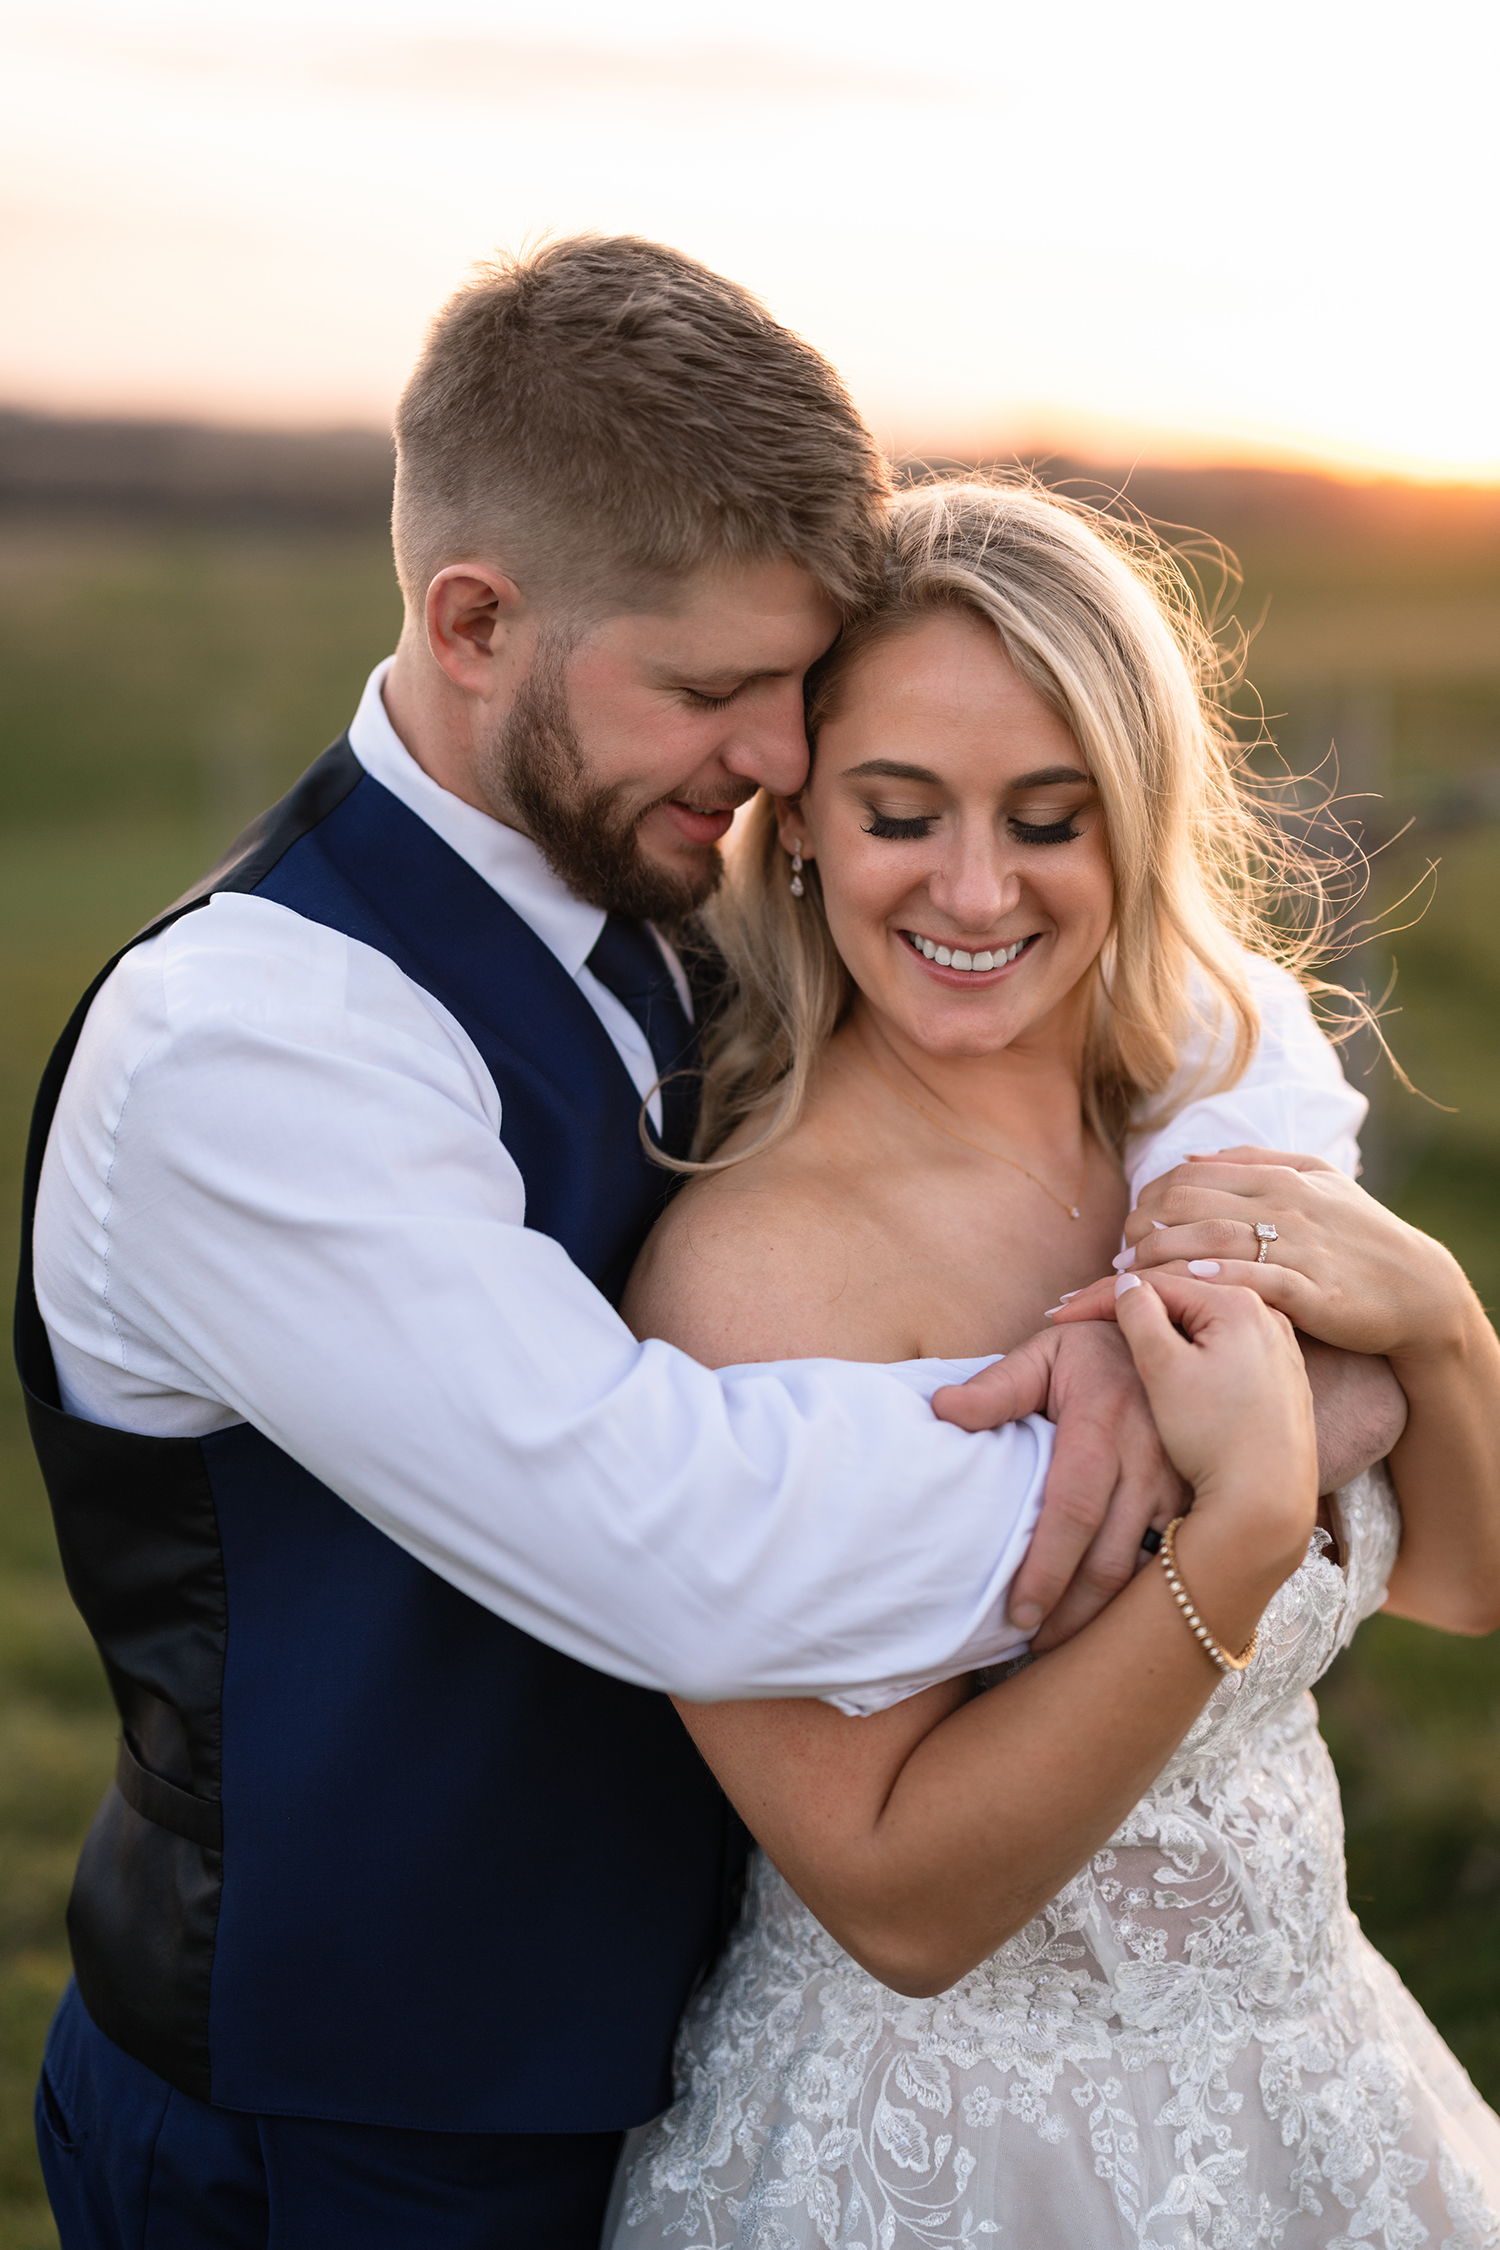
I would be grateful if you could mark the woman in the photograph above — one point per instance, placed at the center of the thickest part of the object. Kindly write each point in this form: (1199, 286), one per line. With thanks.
(1065, 1959)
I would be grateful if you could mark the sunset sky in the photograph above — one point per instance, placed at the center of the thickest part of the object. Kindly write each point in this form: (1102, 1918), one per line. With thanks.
(1169, 229)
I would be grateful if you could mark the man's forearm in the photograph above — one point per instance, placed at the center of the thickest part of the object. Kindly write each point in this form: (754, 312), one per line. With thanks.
(1361, 1410)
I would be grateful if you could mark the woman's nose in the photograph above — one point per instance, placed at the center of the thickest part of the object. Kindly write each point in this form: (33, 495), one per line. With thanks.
(975, 887)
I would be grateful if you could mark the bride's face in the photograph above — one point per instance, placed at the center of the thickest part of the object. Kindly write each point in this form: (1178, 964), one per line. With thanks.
(959, 840)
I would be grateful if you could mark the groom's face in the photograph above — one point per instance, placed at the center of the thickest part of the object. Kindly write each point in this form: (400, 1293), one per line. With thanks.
(627, 751)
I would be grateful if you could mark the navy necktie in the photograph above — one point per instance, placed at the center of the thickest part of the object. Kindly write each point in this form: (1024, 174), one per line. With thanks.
(629, 962)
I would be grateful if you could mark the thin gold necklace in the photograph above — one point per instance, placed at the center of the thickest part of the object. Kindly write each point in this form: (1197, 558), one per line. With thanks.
(1072, 1209)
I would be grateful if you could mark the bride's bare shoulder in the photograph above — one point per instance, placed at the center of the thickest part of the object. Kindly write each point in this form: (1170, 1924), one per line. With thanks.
(763, 1261)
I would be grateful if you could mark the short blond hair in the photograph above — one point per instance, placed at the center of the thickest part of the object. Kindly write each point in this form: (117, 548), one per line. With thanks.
(605, 416)
(1097, 618)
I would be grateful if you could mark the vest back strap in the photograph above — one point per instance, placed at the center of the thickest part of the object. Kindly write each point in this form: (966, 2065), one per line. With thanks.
(193, 1818)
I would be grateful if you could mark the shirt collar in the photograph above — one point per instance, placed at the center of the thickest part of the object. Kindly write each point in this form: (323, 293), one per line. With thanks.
(508, 861)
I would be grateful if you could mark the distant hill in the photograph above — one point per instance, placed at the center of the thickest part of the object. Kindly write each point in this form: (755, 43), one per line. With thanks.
(193, 472)
(196, 472)
(1254, 509)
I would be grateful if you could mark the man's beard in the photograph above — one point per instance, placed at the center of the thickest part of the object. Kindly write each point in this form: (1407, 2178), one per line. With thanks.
(535, 767)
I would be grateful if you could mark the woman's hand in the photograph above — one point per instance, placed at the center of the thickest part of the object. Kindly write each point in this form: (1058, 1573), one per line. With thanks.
(1349, 1272)
(1227, 1387)
(1341, 1267)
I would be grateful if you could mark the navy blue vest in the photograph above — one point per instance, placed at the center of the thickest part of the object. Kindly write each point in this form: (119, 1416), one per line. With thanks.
(372, 1853)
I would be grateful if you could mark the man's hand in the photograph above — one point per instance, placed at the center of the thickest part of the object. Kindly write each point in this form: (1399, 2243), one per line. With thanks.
(1110, 1477)
(1360, 1407)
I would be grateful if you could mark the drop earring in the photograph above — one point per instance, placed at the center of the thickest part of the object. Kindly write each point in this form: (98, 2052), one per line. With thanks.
(797, 883)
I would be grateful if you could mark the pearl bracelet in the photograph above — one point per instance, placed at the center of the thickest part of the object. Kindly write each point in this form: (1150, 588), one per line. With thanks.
(1221, 1656)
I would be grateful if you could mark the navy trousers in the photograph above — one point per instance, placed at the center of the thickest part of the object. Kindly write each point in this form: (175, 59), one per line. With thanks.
(131, 2164)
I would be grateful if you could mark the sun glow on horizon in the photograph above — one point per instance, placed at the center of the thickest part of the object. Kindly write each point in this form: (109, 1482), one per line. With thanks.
(1174, 240)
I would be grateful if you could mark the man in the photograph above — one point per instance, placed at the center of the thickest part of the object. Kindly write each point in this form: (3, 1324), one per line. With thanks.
(390, 1534)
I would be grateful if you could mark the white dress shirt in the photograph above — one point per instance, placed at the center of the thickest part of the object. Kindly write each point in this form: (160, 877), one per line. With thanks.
(277, 1191)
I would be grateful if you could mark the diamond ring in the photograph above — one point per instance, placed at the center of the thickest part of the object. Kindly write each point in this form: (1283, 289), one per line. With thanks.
(1265, 1235)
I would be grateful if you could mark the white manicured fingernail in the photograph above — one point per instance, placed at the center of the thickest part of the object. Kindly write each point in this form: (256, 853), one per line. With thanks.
(1204, 1268)
(1069, 1294)
(1127, 1281)
(1051, 1309)
(1124, 1261)
(1160, 1225)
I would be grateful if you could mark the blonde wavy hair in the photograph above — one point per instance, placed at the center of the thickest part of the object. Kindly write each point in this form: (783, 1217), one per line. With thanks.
(1101, 621)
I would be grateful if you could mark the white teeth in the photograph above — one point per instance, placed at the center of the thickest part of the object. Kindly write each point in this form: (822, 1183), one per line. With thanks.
(976, 963)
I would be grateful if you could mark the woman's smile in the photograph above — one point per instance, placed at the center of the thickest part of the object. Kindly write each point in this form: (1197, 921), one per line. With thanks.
(957, 965)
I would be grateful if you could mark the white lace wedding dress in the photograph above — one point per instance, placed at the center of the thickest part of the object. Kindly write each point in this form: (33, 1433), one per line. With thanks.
(1192, 2045)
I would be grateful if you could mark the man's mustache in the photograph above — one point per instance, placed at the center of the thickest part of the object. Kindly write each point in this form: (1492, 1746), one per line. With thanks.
(730, 801)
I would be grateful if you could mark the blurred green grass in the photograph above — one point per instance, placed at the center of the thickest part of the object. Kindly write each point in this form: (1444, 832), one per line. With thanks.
(160, 684)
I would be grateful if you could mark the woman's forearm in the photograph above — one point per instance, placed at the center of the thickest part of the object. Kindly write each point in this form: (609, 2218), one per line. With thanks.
(1004, 1800)
(1446, 1469)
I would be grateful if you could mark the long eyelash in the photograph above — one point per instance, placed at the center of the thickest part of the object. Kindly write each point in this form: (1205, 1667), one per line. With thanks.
(711, 702)
(1056, 832)
(906, 831)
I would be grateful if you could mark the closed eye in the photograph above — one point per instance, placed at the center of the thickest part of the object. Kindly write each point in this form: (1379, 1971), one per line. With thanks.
(899, 831)
(1055, 831)
(710, 702)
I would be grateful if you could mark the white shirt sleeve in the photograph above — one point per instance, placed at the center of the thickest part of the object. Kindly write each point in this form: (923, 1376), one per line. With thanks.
(275, 1192)
(1293, 1094)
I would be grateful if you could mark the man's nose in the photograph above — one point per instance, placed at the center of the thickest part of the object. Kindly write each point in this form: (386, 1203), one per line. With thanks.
(768, 744)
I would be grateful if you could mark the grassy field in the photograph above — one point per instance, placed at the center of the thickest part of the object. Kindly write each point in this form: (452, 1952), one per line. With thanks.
(160, 684)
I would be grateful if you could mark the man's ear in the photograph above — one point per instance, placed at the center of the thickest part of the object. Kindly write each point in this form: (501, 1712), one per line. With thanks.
(474, 615)
(791, 819)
